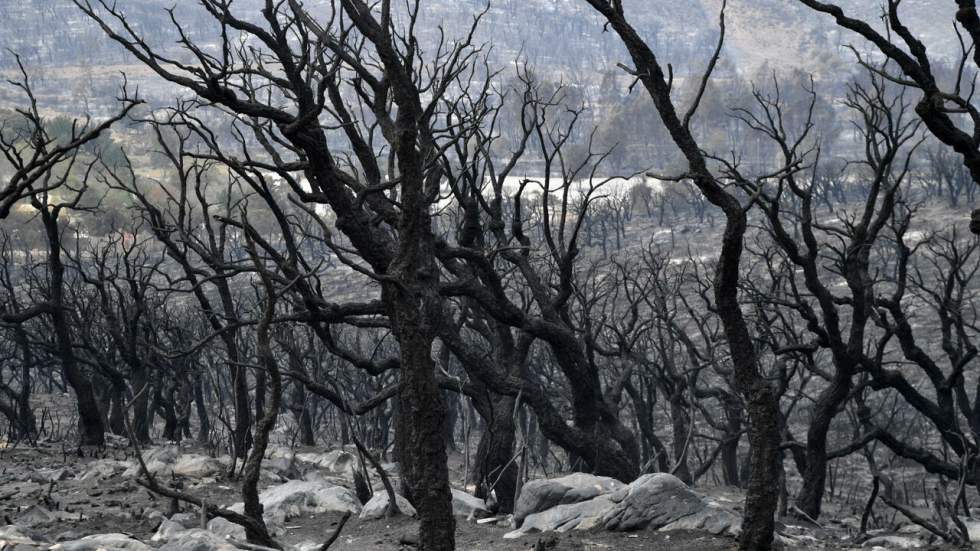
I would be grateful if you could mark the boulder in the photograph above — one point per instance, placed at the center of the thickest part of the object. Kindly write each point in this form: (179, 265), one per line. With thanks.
(68, 535)
(198, 540)
(35, 515)
(654, 501)
(197, 466)
(226, 529)
(303, 497)
(713, 519)
(584, 515)
(891, 542)
(284, 468)
(541, 495)
(158, 460)
(376, 506)
(187, 520)
(163, 454)
(469, 506)
(102, 542)
(184, 524)
(50, 475)
(334, 461)
(168, 530)
(155, 467)
(12, 535)
(104, 468)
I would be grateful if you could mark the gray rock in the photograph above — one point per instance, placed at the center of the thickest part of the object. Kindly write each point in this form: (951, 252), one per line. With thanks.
(226, 529)
(584, 515)
(187, 520)
(50, 475)
(198, 540)
(155, 467)
(303, 497)
(34, 516)
(103, 469)
(186, 525)
(376, 507)
(283, 467)
(100, 542)
(713, 519)
(68, 535)
(651, 501)
(168, 530)
(158, 460)
(894, 542)
(197, 466)
(540, 495)
(334, 461)
(469, 506)
(12, 534)
(163, 454)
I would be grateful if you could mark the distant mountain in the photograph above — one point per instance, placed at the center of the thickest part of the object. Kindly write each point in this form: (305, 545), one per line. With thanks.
(561, 38)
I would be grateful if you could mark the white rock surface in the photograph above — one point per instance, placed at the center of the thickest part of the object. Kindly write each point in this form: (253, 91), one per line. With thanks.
(100, 542)
(469, 506)
(894, 542)
(376, 506)
(303, 497)
(652, 501)
(541, 495)
(11, 535)
(197, 539)
(226, 529)
(197, 466)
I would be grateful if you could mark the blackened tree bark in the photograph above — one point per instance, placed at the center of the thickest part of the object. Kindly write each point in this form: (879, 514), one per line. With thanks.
(494, 468)
(91, 427)
(200, 406)
(256, 531)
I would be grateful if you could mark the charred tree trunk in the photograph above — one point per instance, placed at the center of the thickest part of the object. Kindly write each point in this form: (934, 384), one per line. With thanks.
(257, 532)
(117, 411)
(301, 411)
(681, 434)
(26, 423)
(420, 427)
(494, 469)
(90, 426)
(815, 473)
(729, 449)
(203, 419)
(141, 421)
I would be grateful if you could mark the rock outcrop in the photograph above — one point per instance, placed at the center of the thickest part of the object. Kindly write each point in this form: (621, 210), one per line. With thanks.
(303, 497)
(658, 501)
(541, 495)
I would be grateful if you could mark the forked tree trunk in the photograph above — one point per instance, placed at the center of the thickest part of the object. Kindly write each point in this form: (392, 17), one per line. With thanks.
(494, 469)
(828, 403)
(91, 429)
